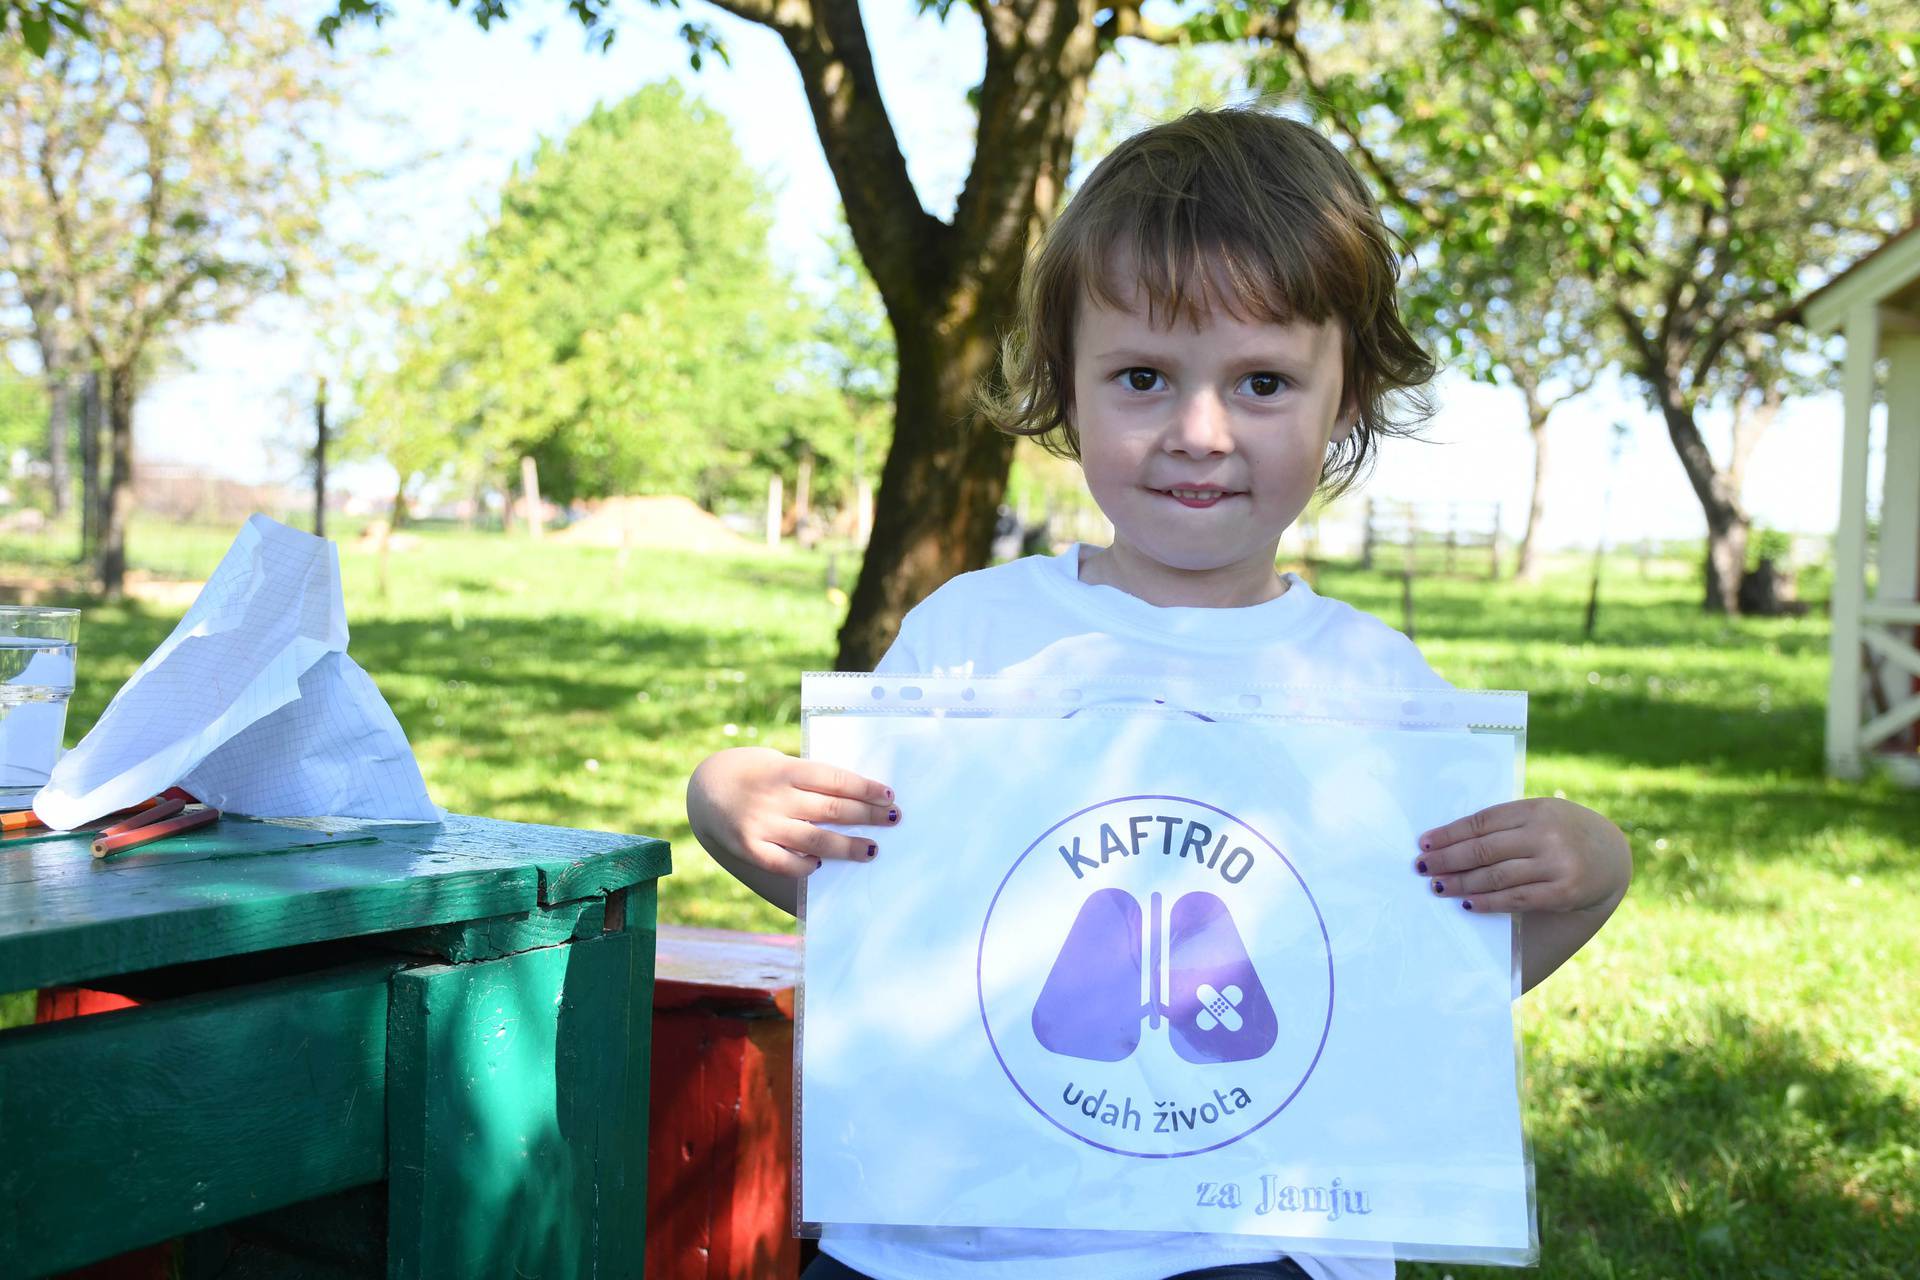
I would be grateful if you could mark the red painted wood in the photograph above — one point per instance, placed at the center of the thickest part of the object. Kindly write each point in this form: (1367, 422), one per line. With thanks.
(720, 1157)
(54, 1003)
(715, 967)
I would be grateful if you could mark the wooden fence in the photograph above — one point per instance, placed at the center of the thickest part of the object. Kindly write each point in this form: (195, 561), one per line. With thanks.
(1427, 535)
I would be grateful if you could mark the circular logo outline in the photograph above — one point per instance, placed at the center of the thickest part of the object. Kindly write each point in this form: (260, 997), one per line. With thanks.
(980, 993)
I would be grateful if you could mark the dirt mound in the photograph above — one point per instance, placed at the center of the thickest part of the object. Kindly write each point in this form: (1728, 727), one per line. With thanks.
(668, 521)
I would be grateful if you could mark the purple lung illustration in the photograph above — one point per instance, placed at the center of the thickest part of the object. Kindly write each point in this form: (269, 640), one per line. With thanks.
(1217, 1009)
(1090, 1007)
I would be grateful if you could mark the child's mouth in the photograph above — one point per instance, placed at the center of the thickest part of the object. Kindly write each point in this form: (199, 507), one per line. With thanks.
(1203, 496)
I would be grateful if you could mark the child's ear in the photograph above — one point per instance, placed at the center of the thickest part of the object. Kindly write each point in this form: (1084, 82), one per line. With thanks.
(1344, 424)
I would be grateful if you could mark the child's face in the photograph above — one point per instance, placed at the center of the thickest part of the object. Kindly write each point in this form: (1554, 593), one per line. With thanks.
(1202, 445)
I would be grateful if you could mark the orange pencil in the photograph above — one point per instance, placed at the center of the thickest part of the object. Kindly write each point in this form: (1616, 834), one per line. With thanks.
(154, 831)
(20, 820)
(28, 820)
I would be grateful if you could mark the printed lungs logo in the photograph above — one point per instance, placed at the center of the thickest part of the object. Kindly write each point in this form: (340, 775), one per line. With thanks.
(1216, 1009)
(1155, 977)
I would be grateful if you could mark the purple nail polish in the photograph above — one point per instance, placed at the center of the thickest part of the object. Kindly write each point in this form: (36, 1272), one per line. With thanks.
(893, 815)
(873, 850)
(1421, 866)
(1438, 886)
(889, 793)
(1466, 904)
(1426, 845)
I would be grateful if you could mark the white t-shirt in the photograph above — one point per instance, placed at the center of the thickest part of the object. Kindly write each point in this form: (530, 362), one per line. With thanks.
(1034, 617)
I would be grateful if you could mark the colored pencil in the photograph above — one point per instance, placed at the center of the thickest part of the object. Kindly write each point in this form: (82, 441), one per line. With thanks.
(28, 820)
(20, 820)
(154, 831)
(154, 811)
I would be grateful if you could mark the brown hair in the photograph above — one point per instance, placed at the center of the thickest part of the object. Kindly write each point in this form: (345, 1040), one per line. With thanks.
(1237, 206)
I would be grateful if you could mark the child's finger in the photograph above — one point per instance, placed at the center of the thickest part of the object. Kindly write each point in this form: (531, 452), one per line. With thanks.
(782, 861)
(1528, 897)
(1499, 817)
(1474, 851)
(806, 839)
(1501, 876)
(832, 780)
(814, 806)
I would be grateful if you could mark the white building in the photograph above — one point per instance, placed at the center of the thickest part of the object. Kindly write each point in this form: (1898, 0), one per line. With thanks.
(1873, 702)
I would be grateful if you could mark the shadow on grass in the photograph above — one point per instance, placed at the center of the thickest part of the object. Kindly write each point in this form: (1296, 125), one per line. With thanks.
(1633, 613)
(1785, 1164)
(1642, 729)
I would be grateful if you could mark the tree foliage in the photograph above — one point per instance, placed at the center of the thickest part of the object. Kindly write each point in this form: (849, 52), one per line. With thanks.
(155, 177)
(619, 320)
(1695, 164)
(37, 22)
(23, 413)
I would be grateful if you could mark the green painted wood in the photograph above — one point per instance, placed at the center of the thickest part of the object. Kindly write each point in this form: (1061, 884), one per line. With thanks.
(470, 940)
(337, 1237)
(646, 859)
(125, 1128)
(227, 838)
(517, 1114)
(67, 917)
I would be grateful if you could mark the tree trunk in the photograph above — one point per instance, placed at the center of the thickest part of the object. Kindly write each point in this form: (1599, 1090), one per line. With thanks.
(1727, 522)
(939, 490)
(947, 286)
(1527, 569)
(59, 438)
(116, 507)
(1726, 562)
(90, 504)
(320, 461)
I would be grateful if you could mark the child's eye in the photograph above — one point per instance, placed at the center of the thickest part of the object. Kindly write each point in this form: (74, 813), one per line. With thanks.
(1265, 385)
(1140, 378)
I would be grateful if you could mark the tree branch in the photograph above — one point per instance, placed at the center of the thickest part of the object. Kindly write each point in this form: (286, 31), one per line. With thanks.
(1653, 365)
(1032, 97)
(898, 239)
(781, 15)
(1428, 216)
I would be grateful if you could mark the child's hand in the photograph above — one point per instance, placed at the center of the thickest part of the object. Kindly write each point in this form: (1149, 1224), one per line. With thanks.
(754, 809)
(1552, 857)
(1528, 855)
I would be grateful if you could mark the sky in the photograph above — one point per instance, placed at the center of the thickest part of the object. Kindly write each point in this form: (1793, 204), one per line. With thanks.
(477, 101)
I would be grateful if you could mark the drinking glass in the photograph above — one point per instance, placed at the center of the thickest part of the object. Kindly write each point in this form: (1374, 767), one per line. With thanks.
(37, 646)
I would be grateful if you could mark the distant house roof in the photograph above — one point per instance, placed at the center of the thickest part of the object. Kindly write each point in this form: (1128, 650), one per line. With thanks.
(1890, 275)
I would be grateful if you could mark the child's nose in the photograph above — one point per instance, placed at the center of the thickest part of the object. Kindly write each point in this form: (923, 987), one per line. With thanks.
(1201, 426)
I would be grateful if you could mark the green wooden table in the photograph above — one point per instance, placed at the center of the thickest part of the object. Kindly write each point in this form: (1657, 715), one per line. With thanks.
(445, 1024)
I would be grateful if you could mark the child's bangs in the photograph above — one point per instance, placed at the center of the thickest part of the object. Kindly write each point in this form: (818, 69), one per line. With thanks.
(1183, 265)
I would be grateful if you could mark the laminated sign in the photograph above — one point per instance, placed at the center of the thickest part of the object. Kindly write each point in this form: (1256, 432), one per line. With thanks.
(1157, 960)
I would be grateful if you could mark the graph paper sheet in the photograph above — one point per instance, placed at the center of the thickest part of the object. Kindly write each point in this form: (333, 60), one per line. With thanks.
(252, 704)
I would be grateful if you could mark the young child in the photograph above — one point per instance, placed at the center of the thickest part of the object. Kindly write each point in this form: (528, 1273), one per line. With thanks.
(1211, 329)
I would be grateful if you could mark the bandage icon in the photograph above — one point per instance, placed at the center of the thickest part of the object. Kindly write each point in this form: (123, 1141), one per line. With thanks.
(1217, 1008)
(1108, 979)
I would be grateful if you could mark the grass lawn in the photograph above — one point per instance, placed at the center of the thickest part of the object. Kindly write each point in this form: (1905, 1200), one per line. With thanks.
(1726, 1083)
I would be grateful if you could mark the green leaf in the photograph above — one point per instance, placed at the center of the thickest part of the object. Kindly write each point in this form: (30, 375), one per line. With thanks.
(36, 31)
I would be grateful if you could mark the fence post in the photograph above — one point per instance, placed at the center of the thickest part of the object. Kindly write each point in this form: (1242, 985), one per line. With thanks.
(1493, 547)
(1406, 581)
(530, 491)
(1366, 538)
